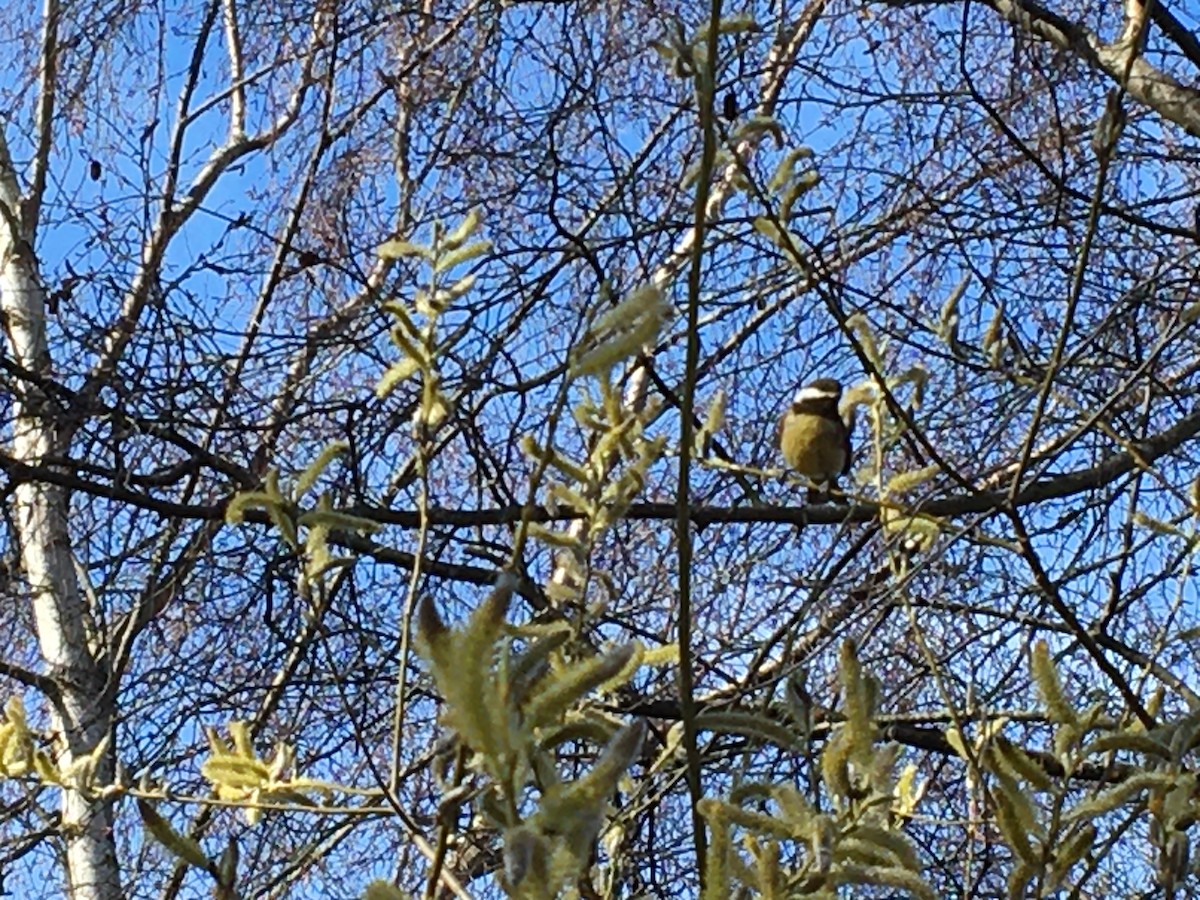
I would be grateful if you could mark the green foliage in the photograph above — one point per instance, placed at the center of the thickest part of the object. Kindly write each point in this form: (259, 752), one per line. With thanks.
(752, 725)
(283, 509)
(621, 332)
(714, 421)
(21, 758)
(1051, 689)
(686, 54)
(518, 699)
(239, 775)
(1049, 839)
(383, 890)
(417, 343)
(948, 319)
(856, 842)
(511, 709)
(185, 848)
(756, 125)
(223, 871)
(915, 530)
(17, 754)
(794, 177)
(602, 485)
(992, 343)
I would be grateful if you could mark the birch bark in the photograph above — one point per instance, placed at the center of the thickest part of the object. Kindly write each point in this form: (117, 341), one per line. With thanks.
(81, 715)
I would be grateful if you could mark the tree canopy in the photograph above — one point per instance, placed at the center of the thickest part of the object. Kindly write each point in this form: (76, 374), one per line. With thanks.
(392, 498)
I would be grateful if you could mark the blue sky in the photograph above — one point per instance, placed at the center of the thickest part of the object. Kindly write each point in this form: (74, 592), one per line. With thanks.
(213, 269)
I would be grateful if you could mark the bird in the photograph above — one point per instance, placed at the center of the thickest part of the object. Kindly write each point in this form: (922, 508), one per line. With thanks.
(814, 438)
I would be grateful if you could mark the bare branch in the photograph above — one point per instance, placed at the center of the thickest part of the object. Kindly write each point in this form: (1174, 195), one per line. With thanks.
(47, 94)
(1120, 60)
(233, 46)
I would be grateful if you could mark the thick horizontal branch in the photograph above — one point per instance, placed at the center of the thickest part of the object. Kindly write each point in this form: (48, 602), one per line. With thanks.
(526, 588)
(1054, 488)
(960, 504)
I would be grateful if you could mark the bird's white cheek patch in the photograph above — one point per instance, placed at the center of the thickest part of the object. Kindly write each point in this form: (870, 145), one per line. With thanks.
(810, 393)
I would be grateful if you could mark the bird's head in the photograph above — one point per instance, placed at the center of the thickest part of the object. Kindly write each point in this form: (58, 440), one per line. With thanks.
(822, 392)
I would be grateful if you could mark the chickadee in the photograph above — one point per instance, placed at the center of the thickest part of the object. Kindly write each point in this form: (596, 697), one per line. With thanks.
(814, 437)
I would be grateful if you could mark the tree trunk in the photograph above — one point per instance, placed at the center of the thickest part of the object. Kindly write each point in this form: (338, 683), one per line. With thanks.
(82, 717)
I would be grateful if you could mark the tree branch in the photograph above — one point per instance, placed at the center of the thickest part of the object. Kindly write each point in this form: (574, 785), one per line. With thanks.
(1119, 60)
(948, 507)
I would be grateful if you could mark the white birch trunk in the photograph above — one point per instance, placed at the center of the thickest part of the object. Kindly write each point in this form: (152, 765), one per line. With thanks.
(82, 719)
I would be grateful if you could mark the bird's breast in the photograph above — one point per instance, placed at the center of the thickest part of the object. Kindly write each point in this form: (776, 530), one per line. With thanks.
(812, 445)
